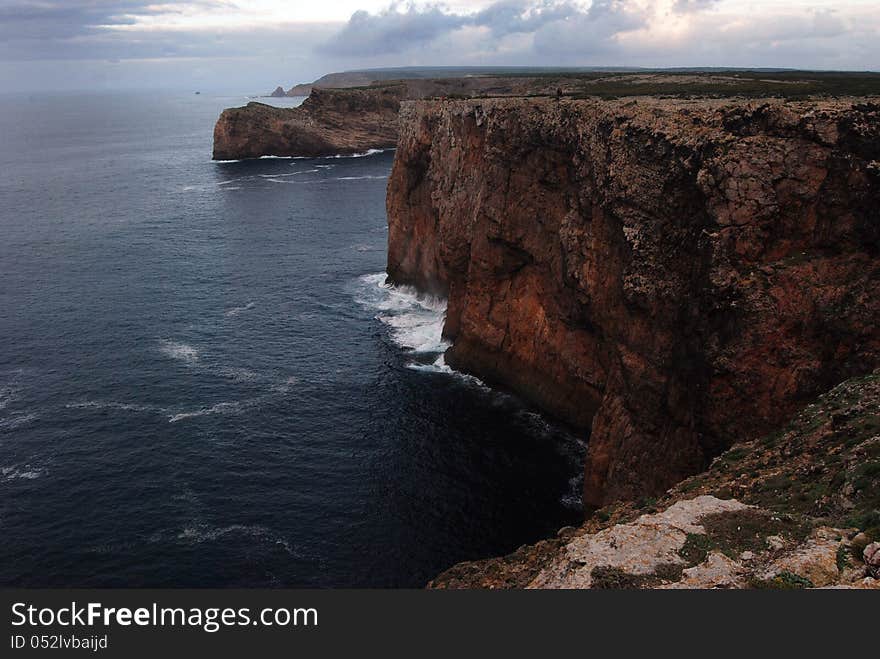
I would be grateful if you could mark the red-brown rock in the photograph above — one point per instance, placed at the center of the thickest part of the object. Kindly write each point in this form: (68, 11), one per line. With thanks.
(669, 274)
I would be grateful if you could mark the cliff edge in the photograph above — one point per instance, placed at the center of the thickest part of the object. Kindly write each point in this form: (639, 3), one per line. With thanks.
(329, 122)
(669, 275)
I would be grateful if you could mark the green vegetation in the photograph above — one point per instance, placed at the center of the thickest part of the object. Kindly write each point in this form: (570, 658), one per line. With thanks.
(736, 532)
(783, 581)
(606, 577)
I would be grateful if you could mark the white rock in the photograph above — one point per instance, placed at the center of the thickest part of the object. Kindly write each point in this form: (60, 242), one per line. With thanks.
(775, 542)
(636, 548)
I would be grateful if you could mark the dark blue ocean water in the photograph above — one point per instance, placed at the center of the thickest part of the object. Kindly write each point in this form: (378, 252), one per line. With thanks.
(204, 383)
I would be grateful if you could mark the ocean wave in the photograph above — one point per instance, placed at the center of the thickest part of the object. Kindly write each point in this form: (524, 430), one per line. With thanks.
(304, 171)
(239, 374)
(573, 499)
(234, 311)
(199, 533)
(16, 421)
(415, 321)
(368, 152)
(364, 154)
(7, 395)
(110, 405)
(234, 407)
(285, 386)
(440, 366)
(25, 472)
(366, 177)
(179, 351)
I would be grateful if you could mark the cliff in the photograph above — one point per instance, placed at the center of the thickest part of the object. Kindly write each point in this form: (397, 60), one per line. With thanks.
(329, 122)
(346, 119)
(669, 275)
(798, 508)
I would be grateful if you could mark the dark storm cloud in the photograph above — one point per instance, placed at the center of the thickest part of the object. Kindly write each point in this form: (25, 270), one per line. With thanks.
(60, 29)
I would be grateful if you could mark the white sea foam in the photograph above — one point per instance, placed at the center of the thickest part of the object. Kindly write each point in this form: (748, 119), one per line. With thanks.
(415, 321)
(199, 533)
(179, 351)
(233, 407)
(237, 310)
(368, 152)
(7, 394)
(25, 472)
(440, 366)
(359, 178)
(304, 171)
(110, 405)
(16, 421)
(239, 374)
(573, 499)
(286, 386)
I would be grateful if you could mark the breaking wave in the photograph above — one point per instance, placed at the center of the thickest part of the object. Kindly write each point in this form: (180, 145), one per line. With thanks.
(219, 408)
(179, 351)
(368, 152)
(199, 533)
(109, 405)
(234, 311)
(26, 472)
(415, 321)
(16, 420)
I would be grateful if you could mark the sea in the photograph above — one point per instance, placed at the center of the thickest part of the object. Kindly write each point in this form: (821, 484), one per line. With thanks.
(206, 382)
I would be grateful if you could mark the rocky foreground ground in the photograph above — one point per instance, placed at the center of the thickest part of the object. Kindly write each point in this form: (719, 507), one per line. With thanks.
(798, 508)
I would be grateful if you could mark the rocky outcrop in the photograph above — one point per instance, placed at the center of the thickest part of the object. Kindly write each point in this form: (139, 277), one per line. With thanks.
(671, 275)
(329, 122)
(798, 508)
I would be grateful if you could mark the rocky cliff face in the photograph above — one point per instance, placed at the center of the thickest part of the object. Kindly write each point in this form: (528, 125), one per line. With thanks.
(671, 275)
(329, 122)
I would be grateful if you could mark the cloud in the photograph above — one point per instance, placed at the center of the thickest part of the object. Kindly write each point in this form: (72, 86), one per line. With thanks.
(400, 27)
(594, 32)
(392, 30)
(257, 44)
(689, 6)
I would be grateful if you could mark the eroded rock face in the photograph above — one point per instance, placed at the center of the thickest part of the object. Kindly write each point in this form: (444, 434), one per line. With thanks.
(329, 122)
(672, 275)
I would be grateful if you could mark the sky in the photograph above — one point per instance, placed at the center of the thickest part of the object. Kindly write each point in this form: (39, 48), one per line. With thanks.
(250, 46)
